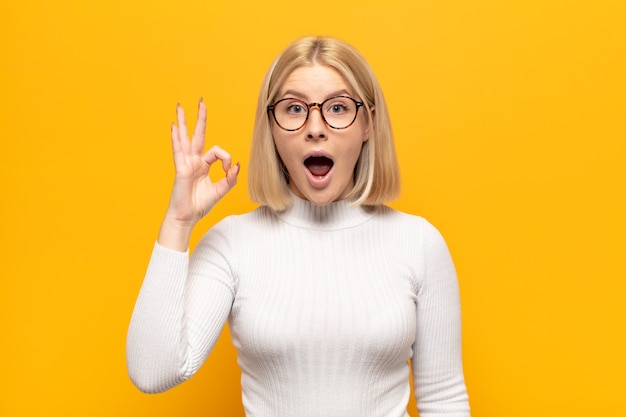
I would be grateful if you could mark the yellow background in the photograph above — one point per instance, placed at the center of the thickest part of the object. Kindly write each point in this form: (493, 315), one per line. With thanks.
(509, 121)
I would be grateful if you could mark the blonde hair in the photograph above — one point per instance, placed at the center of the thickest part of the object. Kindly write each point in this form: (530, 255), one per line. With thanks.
(376, 174)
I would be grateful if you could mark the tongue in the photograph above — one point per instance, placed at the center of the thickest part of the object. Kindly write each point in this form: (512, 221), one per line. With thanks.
(319, 166)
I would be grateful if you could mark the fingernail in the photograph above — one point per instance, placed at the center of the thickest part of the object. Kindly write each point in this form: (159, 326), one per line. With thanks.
(201, 100)
(238, 167)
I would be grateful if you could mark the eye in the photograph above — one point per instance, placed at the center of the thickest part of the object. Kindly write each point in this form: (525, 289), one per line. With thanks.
(338, 107)
(296, 108)
(292, 107)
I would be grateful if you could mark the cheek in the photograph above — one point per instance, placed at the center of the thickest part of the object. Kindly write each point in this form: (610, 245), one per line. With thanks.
(285, 152)
(356, 144)
(351, 157)
(357, 153)
(279, 143)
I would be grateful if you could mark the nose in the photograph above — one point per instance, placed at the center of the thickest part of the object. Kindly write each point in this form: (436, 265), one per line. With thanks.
(316, 127)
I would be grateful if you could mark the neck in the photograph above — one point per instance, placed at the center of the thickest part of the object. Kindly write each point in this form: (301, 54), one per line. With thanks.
(334, 216)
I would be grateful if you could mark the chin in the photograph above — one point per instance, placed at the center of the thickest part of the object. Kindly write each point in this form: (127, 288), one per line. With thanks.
(321, 202)
(322, 198)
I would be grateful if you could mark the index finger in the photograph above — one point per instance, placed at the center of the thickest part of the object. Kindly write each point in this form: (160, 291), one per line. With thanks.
(218, 154)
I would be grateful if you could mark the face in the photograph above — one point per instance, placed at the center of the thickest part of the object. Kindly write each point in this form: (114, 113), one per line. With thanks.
(320, 160)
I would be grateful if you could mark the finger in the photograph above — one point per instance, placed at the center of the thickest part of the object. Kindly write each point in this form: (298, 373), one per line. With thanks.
(177, 151)
(182, 129)
(182, 123)
(218, 154)
(226, 184)
(197, 142)
(232, 174)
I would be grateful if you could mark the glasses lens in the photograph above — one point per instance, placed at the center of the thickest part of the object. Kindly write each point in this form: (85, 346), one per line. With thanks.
(339, 112)
(290, 113)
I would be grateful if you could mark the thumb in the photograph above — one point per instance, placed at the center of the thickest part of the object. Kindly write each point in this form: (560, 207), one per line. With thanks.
(226, 184)
(232, 174)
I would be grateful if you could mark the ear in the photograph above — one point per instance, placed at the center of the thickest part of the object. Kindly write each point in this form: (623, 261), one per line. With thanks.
(371, 118)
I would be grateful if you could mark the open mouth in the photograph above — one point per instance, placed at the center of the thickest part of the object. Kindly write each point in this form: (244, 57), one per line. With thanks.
(319, 165)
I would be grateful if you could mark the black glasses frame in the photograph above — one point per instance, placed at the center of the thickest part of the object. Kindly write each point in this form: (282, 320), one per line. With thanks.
(309, 106)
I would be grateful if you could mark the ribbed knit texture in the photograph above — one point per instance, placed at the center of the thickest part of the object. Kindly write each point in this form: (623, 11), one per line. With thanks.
(325, 305)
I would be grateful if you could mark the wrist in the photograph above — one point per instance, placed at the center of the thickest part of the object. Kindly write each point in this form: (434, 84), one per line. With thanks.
(173, 220)
(175, 234)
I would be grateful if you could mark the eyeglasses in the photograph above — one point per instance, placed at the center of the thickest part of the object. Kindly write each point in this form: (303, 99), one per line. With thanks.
(338, 112)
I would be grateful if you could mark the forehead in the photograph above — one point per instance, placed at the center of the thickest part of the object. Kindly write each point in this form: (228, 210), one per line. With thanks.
(315, 82)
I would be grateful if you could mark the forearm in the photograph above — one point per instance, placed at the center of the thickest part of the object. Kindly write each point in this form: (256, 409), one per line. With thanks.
(155, 343)
(178, 316)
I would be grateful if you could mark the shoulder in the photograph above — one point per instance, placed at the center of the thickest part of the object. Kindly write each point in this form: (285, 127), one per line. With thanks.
(231, 236)
(412, 228)
(413, 241)
(236, 225)
(392, 217)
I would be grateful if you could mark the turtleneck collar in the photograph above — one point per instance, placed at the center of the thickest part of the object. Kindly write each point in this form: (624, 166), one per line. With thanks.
(334, 216)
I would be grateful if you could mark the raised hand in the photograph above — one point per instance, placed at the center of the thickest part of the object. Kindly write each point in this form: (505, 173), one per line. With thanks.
(194, 193)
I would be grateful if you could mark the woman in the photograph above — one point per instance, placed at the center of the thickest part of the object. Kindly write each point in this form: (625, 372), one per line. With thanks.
(329, 294)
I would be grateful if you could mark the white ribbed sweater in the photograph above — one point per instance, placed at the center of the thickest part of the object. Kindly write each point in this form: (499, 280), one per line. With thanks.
(325, 306)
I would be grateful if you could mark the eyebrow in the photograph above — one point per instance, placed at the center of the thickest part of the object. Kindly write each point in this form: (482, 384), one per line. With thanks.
(304, 97)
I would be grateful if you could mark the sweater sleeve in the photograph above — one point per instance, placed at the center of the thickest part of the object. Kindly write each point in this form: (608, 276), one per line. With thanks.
(437, 364)
(179, 314)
